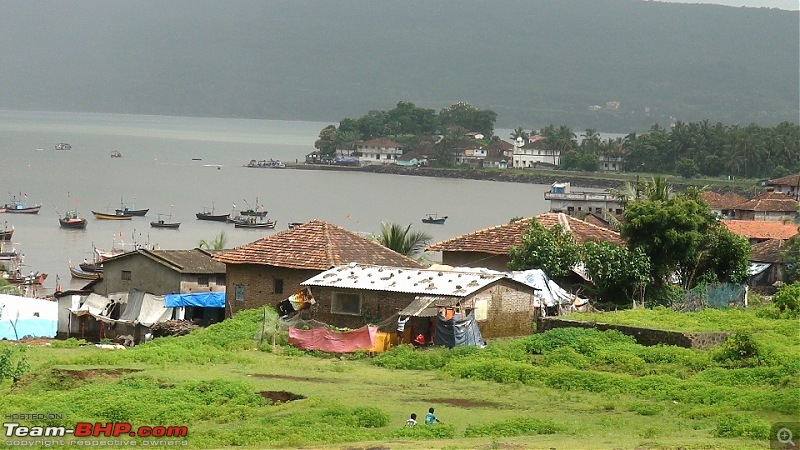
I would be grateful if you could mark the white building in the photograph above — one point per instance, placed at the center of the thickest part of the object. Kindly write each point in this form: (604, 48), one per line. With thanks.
(533, 152)
(378, 151)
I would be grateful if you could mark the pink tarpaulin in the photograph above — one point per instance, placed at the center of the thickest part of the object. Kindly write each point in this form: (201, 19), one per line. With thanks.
(333, 341)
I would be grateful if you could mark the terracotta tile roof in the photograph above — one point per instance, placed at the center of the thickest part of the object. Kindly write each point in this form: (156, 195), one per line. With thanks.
(315, 245)
(728, 200)
(768, 251)
(498, 240)
(789, 180)
(761, 229)
(770, 202)
(379, 142)
(596, 220)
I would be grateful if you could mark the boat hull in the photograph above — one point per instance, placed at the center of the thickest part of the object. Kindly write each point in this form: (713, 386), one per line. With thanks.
(133, 212)
(78, 273)
(435, 221)
(105, 216)
(162, 224)
(18, 210)
(73, 224)
(213, 217)
(6, 235)
(268, 225)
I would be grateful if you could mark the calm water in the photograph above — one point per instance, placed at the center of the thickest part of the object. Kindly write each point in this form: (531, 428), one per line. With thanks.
(157, 171)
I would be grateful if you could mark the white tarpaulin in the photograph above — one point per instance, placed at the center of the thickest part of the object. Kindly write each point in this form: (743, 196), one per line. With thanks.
(550, 293)
(22, 317)
(757, 268)
(138, 307)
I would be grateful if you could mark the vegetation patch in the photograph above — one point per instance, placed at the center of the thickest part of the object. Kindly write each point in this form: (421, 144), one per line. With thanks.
(281, 396)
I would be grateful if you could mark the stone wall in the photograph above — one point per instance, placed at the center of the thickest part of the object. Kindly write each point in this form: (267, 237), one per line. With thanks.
(644, 336)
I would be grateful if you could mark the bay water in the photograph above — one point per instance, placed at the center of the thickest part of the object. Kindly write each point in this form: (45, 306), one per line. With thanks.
(178, 166)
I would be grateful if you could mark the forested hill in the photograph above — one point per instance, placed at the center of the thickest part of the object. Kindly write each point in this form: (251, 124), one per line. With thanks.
(534, 62)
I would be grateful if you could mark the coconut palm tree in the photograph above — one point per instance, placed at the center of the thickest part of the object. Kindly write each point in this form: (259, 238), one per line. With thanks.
(218, 243)
(402, 240)
(519, 132)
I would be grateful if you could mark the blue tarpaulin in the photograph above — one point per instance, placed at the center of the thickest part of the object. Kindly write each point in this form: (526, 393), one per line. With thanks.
(201, 299)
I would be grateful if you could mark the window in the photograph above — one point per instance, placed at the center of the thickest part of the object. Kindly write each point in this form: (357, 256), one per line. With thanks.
(202, 280)
(277, 286)
(239, 293)
(126, 275)
(346, 303)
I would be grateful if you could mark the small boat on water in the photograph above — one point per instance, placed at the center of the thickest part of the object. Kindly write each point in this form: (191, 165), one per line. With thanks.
(17, 205)
(270, 163)
(128, 209)
(17, 278)
(116, 216)
(434, 219)
(268, 224)
(71, 220)
(209, 215)
(6, 234)
(63, 146)
(91, 267)
(293, 225)
(78, 273)
(163, 224)
(116, 154)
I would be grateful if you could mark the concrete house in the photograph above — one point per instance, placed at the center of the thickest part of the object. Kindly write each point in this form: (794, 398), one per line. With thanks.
(767, 263)
(759, 230)
(723, 205)
(490, 247)
(352, 295)
(535, 152)
(770, 206)
(789, 185)
(378, 151)
(269, 270)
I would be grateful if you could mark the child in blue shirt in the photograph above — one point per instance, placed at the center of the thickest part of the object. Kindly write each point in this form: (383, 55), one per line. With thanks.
(430, 418)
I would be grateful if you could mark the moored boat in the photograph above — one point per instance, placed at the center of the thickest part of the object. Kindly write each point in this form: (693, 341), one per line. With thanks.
(6, 234)
(209, 215)
(269, 224)
(78, 273)
(63, 146)
(162, 224)
(116, 216)
(116, 154)
(132, 212)
(434, 219)
(17, 205)
(72, 220)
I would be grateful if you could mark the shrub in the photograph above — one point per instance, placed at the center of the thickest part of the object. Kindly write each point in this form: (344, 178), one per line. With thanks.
(737, 425)
(370, 417)
(645, 409)
(438, 431)
(521, 426)
(68, 343)
(739, 349)
(406, 357)
(566, 356)
(787, 300)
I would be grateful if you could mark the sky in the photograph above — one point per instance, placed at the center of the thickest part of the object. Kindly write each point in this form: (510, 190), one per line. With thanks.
(781, 4)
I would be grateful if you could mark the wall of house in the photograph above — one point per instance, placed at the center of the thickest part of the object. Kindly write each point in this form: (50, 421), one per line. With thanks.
(259, 282)
(475, 259)
(146, 275)
(510, 308)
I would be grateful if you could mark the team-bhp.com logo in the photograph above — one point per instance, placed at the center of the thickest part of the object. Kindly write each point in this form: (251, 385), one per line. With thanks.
(86, 429)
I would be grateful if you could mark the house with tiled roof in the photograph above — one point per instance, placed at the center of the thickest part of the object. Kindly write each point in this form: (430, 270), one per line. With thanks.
(490, 247)
(761, 230)
(378, 151)
(162, 272)
(267, 271)
(768, 263)
(770, 206)
(351, 295)
(535, 152)
(789, 185)
(724, 205)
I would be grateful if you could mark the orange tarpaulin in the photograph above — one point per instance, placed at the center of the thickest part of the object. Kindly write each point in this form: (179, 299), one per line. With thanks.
(333, 341)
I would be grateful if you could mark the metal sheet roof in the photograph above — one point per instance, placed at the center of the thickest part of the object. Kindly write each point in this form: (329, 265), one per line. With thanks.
(427, 306)
(396, 279)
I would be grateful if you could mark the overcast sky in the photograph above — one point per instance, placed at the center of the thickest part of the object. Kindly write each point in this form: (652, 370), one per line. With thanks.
(781, 4)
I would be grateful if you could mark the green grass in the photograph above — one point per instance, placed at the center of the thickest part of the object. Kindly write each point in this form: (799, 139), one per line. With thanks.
(567, 388)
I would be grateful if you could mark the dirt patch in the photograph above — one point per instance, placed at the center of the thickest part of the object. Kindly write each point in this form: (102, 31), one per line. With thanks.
(465, 403)
(281, 396)
(35, 341)
(287, 377)
(87, 374)
(500, 446)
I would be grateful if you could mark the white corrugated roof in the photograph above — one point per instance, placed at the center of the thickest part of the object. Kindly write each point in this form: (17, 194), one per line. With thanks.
(395, 279)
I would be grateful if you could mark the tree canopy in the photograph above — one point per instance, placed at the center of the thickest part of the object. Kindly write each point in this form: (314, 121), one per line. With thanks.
(552, 249)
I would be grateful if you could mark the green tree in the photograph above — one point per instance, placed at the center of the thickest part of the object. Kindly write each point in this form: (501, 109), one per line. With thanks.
(682, 237)
(553, 250)
(402, 240)
(219, 242)
(519, 132)
(791, 251)
(468, 117)
(326, 144)
(616, 270)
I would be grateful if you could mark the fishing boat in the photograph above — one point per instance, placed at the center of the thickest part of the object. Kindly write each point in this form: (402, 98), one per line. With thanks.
(17, 205)
(63, 146)
(434, 219)
(116, 154)
(5, 233)
(91, 267)
(71, 220)
(78, 273)
(30, 279)
(251, 222)
(254, 212)
(126, 209)
(293, 225)
(116, 216)
(209, 215)
(161, 223)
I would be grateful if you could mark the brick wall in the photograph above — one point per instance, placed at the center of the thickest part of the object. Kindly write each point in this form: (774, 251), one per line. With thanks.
(259, 285)
(644, 336)
(476, 259)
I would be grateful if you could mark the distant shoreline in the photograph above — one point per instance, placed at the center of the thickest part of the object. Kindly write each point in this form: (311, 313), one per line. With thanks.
(508, 176)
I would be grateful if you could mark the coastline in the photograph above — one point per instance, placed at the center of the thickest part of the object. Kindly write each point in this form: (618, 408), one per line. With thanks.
(508, 176)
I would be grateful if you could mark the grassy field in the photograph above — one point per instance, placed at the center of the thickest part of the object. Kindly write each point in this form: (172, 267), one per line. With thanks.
(564, 389)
